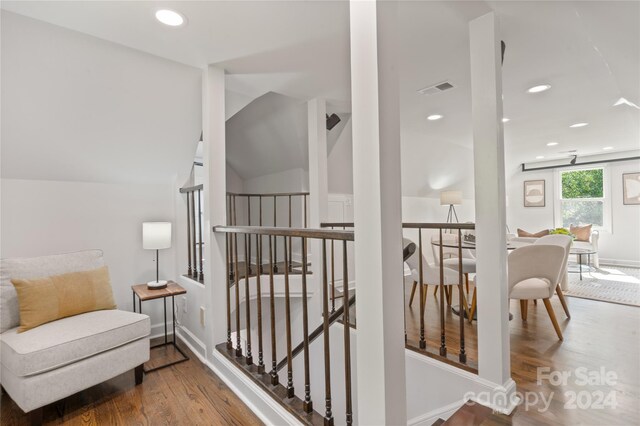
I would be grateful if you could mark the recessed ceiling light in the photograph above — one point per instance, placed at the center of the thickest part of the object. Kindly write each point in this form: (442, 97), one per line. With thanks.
(539, 157)
(170, 17)
(573, 126)
(538, 89)
(607, 148)
(434, 117)
(505, 119)
(623, 101)
(552, 144)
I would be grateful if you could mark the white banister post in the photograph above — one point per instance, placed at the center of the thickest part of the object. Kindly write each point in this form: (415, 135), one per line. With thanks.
(215, 190)
(488, 147)
(381, 376)
(318, 193)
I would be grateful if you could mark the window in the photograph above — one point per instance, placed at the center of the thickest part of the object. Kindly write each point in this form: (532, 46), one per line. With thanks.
(582, 198)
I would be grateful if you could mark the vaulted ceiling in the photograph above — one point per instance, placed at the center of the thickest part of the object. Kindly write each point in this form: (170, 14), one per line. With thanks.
(589, 52)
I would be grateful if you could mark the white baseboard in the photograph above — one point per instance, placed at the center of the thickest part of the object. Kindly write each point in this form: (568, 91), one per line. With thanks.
(620, 262)
(258, 401)
(192, 342)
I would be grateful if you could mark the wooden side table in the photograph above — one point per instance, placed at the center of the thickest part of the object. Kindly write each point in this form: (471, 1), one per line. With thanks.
(145, 293)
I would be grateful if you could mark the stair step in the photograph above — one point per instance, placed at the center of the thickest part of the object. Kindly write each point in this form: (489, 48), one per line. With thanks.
(475, 415)
(278, 392)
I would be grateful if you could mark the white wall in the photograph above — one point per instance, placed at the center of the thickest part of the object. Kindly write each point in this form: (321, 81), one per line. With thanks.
(78, 108)
(48, 217)
(94, 136)
(622, 244)
(340, 163)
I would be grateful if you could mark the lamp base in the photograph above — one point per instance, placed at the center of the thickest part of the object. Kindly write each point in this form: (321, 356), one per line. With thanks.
(156, 285)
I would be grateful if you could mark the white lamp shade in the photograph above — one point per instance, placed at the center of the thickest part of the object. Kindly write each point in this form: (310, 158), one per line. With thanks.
(450, 197)
(156, 235)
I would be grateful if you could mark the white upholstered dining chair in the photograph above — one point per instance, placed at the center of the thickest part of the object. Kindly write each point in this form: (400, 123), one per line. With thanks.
(533, 273)
(451, 257)
(565, 242)
(430, 274)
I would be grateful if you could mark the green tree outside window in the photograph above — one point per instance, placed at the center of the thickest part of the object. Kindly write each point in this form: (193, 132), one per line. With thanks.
(582, 184)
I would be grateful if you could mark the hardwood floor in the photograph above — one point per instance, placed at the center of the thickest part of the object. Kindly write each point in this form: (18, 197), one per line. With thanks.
(598, 336)
(184, 394)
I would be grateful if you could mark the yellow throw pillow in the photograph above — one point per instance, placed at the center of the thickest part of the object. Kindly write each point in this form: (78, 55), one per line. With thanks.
(47, 299)
(582, 233)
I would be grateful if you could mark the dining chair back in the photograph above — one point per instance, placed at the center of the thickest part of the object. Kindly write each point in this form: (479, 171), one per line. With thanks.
(536, 261)
(565, 242)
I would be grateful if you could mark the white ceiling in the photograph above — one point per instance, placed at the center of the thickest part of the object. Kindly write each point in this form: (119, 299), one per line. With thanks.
(589, 52)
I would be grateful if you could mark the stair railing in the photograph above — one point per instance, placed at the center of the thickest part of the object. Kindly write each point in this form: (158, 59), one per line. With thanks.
(195, 242)
(248, 283)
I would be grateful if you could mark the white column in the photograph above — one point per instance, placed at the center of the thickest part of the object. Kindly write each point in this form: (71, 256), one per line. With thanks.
(488, 147)
(215, 190)
(377, 212)
(318, 186)
(318, 195)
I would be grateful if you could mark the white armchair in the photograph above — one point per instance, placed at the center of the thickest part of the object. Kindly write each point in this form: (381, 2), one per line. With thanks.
(592, 244)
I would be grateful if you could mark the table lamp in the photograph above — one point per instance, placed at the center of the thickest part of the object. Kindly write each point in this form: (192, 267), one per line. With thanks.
(451, 198)
(156, 236)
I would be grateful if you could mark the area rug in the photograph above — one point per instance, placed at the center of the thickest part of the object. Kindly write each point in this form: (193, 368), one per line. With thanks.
(613, 284)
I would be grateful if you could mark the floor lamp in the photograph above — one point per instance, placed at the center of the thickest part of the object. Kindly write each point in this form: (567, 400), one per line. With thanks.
(451, 199)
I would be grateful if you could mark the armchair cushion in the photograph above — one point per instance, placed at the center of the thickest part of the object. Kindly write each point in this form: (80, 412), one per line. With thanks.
(69, 340)
(582, 233)
(47, 299)
(523, 233)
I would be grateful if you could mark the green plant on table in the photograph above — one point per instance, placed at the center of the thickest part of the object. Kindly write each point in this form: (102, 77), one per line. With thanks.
(562, 231)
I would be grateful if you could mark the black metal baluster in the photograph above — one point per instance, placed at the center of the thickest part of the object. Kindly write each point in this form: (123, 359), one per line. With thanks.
(247, 299)
(328, 415)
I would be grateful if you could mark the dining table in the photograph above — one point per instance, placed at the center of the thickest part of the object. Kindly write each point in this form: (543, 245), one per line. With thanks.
(471, 245)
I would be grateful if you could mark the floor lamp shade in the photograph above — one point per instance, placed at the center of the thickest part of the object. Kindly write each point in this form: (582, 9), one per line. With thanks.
(156, 236)
(448, 198)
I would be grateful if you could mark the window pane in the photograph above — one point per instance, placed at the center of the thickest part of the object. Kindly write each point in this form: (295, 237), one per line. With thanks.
(582, 184)
(582, 213)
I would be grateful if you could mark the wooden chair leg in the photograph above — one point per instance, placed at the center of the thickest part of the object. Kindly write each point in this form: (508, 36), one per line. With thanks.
(472, 311)
(524, 304)
(466, 280)
(35, 417)
(413, 292)
(448, 290)
(424, 297)
(139, 374)
(563, 301)
(535, 302)
(465, 305)
(552, 315)
(435, 290)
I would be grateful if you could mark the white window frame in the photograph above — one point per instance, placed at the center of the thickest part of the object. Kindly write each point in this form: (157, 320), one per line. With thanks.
(606, 196)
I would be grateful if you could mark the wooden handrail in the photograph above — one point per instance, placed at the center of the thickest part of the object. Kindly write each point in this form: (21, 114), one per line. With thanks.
(408, 225)
(267, 194)
(191, 188)
(287, 232)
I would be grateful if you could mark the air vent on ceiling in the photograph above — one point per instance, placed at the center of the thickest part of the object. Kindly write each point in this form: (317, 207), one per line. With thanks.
(436, 88)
